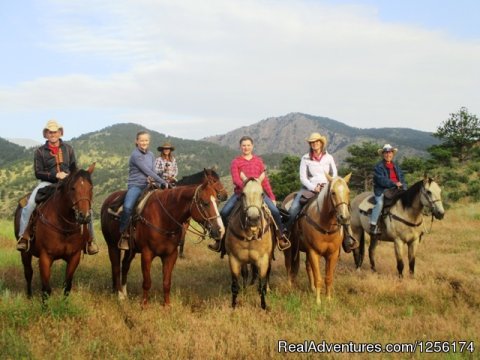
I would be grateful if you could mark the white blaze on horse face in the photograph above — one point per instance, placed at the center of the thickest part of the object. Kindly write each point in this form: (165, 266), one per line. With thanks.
(219, 218)
(253, 199)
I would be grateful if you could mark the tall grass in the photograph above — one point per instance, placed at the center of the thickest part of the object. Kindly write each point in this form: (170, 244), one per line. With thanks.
(441, 303)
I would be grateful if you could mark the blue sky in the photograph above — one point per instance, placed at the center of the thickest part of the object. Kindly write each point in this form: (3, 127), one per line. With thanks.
(192, 69)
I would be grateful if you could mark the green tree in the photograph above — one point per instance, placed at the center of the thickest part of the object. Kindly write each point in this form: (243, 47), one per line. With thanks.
(361, 163)
(286, 179)
(459, 133)
(413, 164)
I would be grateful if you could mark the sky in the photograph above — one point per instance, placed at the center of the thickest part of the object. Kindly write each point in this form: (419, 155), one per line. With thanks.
(190, 69)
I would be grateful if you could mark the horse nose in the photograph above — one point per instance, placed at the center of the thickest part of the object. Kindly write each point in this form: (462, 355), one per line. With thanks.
(253, 215)
(439, 215)
(82, 218)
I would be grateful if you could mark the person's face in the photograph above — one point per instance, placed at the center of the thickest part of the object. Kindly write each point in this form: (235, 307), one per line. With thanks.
(166, 151)
(316, 146)
(388, 156)
(246, 147)
(143, 141)
(53, 137)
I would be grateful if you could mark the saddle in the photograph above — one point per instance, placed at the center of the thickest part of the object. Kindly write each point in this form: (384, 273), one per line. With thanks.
(306, 199)
(116, 207)
(45, 193)
(390, 198)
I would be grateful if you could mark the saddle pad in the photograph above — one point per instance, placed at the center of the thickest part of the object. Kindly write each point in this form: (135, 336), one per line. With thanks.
(143, 201)
(366, 205)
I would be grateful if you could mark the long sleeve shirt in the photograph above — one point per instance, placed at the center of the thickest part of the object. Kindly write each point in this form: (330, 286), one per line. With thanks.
(45, 163)
(165, 168)
(382, 180)
(312, 172)
(251, 168)
(141, 166)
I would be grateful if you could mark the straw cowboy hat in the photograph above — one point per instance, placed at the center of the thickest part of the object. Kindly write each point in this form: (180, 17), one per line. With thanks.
(387, 148)
(316, 136)
(52, 125)
(166, 145)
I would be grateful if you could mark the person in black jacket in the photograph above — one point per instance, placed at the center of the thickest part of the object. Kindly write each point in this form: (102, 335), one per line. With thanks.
(388, 175)
(52, 162)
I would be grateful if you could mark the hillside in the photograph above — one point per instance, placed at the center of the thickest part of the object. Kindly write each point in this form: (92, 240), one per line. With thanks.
(10, 152)
(287, 134)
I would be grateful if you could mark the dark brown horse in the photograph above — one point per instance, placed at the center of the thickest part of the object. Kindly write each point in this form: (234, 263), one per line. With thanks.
(60, 229)
(157, 230)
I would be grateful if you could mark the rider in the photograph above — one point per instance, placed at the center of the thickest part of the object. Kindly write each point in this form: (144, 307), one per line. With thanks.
(388, 175)
(141, 168)
(314, 166)
(252, 166)
(166, 164)
(52, 162)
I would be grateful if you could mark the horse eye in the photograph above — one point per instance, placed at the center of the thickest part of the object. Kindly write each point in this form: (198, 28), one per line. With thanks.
(429, 192)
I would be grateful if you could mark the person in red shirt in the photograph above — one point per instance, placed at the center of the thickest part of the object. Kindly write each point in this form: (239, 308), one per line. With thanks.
(251, 166)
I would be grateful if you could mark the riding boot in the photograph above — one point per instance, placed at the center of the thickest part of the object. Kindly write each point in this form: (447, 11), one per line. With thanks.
(374, 230)
(282, 240)
(123, 243)
(92, 247)
(23, 243)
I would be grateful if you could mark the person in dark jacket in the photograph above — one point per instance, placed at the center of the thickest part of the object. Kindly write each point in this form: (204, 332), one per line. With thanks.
(388, 175)
(141, 168)
(52, 163)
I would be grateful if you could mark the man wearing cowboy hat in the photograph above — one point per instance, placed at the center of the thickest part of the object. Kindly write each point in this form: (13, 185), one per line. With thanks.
(166, 164)
(52, 162)
(387, 175)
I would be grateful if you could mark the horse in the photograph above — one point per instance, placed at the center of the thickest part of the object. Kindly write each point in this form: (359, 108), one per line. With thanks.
(402, 222)
(157, 229)
(248, 239)
(60, 229)
(318, 231)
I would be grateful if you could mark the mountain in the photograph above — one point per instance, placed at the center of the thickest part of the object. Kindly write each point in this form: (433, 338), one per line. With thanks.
(287, 134)
(27, 143)
(10, 152)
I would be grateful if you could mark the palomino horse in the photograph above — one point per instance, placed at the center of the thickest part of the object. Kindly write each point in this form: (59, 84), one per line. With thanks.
(249, 238)
(318, 232)
(402, 223)
(60, 229)
(157, 230)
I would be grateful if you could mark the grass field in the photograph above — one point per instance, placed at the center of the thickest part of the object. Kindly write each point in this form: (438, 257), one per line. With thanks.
(442, 303)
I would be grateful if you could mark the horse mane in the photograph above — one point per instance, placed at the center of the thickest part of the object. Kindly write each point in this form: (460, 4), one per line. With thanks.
(197, 178)
(76, 173)
(410, 194)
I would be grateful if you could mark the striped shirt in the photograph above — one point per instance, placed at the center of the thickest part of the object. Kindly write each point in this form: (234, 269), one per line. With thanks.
(251, 168)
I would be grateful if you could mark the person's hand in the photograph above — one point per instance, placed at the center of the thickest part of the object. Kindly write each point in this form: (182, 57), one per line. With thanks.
(317, 188)
(399, 184)
(61, 175)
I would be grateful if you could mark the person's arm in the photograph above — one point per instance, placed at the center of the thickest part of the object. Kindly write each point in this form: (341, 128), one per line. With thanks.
(401, 177)
(174, 168)
(304, 175)
(144, 164)
(235, 172)
(333, 167)
(382, 179)
(159, 166)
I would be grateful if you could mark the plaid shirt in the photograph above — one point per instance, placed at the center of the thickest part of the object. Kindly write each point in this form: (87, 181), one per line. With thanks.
(251, 168)
(166, 169)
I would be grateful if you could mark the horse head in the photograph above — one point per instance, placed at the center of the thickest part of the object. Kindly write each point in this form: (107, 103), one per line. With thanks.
(431, 197)
(213, 178)
(78, 188)
(339, 195)
(252, 198)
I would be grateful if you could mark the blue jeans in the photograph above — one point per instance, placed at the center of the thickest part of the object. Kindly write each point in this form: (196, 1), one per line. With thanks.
(294, 210)
(133, 193)
(229, 205)
(28, 209)
(376, 209)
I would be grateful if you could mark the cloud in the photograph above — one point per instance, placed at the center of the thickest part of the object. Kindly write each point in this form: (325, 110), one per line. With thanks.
(222, 64)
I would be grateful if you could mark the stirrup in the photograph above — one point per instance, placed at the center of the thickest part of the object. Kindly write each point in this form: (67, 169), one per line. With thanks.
(23, 244)
(287, 240)
(92, 248)
(123, 243)
(216, 247)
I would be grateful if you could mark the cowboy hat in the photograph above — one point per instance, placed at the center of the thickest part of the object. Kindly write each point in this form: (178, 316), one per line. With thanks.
(52, 125)
(387, 148)
(316, 136)
(166, 145)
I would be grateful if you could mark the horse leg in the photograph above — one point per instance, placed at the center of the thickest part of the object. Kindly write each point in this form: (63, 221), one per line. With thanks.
(126, 262)
(28, 271)
(287, 254)
(181, 244)
(399, 255)
(308, 268)
(114, 255)
(168, 264)
(45, 263)
(330, 265)
(235, 269)
(254, 274)
(412, 250)
(359, 253)
(262, 269)
(371, 252)
(147, 258)
(244, 272)
(314, 260)
(72, 265)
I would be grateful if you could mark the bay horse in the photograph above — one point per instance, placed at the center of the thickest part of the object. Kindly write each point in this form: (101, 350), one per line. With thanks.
(157, 230)
(60, 229)
(401, 223)
(248, 239)
(318, 231)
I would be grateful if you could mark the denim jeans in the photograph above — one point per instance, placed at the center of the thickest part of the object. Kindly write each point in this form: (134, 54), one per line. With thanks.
(133, 193)
(227, 208)
(376, 209)
(28, 209)
(294, 209)
(275, 212)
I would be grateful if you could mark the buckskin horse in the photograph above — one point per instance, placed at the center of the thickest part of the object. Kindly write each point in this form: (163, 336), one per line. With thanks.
(401, 222)
(158, 228)
(60, 229)
(318, 232)
(248, 239)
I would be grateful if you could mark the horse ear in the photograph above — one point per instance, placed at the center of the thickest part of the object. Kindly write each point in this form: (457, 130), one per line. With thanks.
(261, 177)
(242, 176)
(347, 178)
(91, 167)
(329, 178)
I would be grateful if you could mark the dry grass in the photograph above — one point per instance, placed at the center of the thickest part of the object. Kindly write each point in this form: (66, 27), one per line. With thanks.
(441, 303)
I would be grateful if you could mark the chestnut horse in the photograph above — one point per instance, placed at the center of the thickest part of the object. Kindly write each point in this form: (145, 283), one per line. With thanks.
(157, 230)
(60, 229)
(249, 238)
(401, 223)
(318, 232)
